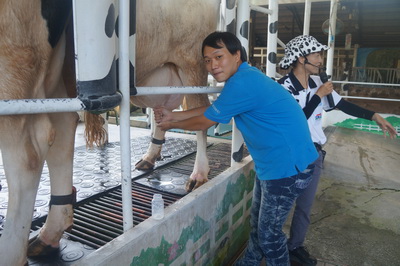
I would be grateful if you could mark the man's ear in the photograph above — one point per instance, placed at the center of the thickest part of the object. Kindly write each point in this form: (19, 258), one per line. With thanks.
(237, 55)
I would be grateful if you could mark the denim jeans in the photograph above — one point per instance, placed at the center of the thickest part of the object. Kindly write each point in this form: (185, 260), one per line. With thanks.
(272, 202)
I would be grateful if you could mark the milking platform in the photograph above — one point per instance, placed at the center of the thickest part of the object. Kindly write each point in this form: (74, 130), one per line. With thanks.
(96, 177)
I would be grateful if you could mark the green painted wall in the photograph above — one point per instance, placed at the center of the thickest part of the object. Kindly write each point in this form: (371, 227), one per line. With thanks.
(367, 125)
(230, 224)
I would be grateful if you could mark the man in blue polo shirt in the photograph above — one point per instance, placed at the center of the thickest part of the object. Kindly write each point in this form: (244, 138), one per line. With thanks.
(276, 134)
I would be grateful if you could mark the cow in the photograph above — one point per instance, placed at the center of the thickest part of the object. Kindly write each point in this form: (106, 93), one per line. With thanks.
(35, 62)
(31, 67)
(177, 64)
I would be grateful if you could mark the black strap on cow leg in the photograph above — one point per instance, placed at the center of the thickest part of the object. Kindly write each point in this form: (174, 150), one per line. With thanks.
(63, 200)
(158, 141)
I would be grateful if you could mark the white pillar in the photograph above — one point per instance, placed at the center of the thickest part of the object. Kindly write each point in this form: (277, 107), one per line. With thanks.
(272, 38)
(331, 37)
(243, 23)
(307, 15)
(126, 181)
(242, 32)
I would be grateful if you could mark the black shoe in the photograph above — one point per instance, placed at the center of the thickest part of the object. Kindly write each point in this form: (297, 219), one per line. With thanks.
(301, 255)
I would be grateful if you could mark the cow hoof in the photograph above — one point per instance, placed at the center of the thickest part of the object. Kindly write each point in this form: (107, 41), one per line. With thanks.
(37, 248)
(192, 184)
(144, 165)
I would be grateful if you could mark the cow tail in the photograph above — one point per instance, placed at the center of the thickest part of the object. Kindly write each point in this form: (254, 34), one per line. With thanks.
(94, 130)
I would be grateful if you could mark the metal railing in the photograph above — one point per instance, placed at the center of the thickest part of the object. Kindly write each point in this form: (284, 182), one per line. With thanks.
(376, 75)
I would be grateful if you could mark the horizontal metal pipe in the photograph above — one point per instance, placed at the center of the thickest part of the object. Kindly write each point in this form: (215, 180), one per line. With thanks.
(94, 215)
(89, 238)
(261, 9)
(36, 106)
(95, 232)
(175, 90)
(370, 98)
(83, 240)
(84, 219)
(366, 83)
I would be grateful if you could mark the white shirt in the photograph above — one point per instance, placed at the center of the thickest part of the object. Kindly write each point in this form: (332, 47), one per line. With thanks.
(303, 96)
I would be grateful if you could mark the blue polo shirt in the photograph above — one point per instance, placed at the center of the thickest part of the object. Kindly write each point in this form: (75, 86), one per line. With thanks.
(272, 123)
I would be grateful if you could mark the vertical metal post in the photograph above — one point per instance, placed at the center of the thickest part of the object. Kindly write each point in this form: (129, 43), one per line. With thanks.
(125, 139)
(331, 38)
(331, 44)
(243, 18)
(307, 15)
(242, 32)
(272, 41)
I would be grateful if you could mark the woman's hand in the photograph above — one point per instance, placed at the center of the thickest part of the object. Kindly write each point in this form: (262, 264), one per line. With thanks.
(325, 89)
(385, 126)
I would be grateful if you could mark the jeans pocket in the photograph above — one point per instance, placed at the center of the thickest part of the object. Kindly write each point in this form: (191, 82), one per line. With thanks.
(302, 183)
(304, 178)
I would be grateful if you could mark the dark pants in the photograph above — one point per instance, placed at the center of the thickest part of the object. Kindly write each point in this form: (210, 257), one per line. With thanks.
(272, 201)
(302, 211)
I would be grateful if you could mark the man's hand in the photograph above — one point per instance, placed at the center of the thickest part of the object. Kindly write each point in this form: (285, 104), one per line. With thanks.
(385, 126)
(164, 126)
(162, 115)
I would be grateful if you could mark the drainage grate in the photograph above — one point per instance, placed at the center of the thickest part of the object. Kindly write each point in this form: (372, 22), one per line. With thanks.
(98, 220)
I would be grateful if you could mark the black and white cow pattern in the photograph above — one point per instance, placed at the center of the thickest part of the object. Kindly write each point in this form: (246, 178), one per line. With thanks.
(300, 46)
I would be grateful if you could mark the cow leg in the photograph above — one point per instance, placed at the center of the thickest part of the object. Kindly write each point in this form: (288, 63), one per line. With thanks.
(60, 164)
(154, 151)
(165, 75)
(23, 154)
(201, 167)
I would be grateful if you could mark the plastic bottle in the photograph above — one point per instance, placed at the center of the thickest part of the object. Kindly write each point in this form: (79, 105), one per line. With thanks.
(157, 207)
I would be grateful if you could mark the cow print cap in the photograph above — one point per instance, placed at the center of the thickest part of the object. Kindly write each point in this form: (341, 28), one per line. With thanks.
(300, 46)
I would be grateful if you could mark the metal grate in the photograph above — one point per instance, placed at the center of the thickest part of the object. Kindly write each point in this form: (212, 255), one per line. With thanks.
(98, 220)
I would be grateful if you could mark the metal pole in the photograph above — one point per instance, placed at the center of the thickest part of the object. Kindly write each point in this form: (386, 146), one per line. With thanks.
(261, 9)
(331, 38)
(242, 32)
(126, 182)
(365, 83)
(307, 15)
(243, 18)
(38, 106)
(176, 90)
(272, 38)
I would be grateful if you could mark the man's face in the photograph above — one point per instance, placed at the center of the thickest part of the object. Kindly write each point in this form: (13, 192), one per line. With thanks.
(220, 63)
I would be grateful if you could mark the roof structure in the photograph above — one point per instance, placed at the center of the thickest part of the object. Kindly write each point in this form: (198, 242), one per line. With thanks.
(370, 23)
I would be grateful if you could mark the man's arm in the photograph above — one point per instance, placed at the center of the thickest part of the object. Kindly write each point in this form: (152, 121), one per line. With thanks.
(194, 123)
(162, 114)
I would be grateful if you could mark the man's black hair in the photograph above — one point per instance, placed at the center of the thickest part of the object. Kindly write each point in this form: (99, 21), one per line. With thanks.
(231, 42)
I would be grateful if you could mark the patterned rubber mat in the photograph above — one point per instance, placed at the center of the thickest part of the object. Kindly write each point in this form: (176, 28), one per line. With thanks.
(99, 169)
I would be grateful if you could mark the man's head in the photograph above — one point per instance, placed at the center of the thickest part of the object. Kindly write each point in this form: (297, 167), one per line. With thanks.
(300, 46)
(222, 53)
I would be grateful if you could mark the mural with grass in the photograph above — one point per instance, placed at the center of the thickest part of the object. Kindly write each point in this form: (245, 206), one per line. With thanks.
(369, 126)
(228, 242)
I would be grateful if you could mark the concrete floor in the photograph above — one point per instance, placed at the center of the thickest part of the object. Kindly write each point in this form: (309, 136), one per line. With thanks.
(356, 214)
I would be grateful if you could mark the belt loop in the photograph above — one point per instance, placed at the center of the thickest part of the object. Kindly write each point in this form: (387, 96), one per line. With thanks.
(318, 146)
